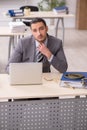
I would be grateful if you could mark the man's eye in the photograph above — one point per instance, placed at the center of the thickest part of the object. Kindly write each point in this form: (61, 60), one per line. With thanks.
(42, 28)
(35, 30)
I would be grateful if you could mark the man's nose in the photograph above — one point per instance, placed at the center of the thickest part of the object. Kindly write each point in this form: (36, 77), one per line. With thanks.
(38, 32)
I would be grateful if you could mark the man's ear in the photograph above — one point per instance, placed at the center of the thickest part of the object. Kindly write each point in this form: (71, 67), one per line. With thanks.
(47, 28)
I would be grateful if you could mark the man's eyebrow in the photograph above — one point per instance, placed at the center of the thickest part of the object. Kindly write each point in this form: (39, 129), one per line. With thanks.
(38, 28)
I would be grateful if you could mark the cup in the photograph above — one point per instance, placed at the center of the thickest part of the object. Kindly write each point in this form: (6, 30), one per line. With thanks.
(27, 11)
(84, 82)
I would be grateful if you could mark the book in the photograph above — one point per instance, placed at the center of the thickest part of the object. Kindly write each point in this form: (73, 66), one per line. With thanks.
(73, 82)
(61, 9)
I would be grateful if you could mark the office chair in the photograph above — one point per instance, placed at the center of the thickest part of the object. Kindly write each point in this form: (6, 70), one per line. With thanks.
(32, 8)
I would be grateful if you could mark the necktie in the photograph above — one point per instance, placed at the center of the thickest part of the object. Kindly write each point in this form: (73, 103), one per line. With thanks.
(39, 57)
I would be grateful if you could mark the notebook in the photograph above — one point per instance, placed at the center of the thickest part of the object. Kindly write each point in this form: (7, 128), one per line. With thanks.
(25, 73)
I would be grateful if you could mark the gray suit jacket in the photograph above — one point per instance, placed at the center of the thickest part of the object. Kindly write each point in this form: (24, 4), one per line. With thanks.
(25, 52)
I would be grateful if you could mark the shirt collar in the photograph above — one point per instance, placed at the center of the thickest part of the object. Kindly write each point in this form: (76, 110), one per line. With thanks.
(37, 43)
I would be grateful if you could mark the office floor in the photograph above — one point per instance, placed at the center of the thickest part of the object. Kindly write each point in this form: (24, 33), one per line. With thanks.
(75, 47)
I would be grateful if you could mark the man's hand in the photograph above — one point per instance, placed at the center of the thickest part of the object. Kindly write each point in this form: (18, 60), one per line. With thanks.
(44, 50)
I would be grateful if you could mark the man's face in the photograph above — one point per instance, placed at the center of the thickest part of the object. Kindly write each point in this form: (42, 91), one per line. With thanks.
(39, 31)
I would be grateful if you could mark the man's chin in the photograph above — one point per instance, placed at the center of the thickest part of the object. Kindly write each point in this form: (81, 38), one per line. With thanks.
(40, 40)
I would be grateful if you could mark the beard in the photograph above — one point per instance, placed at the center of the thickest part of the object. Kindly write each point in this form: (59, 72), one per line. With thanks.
(41, 39)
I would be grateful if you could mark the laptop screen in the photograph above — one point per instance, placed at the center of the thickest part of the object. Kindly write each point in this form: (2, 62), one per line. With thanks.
(25, 73)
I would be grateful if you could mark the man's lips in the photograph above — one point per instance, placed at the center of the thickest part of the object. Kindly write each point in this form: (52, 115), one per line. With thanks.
(40, 36)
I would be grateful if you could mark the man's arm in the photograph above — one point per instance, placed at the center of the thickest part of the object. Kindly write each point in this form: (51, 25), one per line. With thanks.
(59, 61)
(16, 56)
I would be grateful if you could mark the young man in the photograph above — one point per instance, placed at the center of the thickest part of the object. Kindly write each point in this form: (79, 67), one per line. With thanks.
(48, 48)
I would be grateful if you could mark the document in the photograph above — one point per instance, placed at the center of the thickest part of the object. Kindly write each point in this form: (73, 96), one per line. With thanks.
(72, 83)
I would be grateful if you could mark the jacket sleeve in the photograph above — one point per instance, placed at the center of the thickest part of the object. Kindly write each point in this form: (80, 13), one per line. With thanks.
(59, 61)
(16, 55)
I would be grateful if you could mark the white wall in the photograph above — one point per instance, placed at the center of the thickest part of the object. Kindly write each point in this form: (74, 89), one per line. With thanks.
(72, 8)
(5, 5)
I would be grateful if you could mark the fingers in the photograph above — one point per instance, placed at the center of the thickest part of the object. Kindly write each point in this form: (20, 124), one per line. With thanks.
(41, 45)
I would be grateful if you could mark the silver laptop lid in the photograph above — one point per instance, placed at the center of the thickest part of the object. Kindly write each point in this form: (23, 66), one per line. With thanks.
(25, 73)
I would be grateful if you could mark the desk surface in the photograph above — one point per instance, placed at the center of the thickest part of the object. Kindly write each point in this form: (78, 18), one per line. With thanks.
(44, 14)
(47, 89)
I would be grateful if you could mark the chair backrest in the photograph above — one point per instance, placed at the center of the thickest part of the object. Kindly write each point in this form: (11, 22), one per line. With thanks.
(32, 8)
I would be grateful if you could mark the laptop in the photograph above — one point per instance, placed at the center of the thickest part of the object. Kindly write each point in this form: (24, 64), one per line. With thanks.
(25, 73)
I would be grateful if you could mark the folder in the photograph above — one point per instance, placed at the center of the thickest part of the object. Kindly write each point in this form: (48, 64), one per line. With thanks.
(76, 80)
(72, 83)
(16, 12)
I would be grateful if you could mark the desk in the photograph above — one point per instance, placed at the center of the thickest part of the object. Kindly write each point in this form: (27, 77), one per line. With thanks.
(6, 32)
(49, 107)
(48, 15)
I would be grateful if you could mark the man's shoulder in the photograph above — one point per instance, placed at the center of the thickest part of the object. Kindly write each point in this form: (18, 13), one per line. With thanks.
(27, 38)
(25, 41)
(54, 40)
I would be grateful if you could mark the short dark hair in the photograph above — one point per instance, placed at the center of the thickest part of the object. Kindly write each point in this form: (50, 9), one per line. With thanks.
(36, 20)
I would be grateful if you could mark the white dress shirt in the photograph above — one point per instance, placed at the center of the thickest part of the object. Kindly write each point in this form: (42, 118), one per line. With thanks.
(45, 42)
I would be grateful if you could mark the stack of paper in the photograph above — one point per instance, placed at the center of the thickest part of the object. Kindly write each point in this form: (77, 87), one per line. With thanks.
(17, 27)
(61, 9)
(72, 83)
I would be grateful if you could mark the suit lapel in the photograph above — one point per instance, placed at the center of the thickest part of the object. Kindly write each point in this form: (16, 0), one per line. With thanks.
(31, 50)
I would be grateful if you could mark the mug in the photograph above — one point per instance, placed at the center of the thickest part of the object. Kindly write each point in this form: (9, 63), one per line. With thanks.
(27, 11)
(84, 82)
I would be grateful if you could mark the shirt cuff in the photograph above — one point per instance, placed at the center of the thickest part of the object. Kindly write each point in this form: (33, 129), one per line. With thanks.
(50, 58)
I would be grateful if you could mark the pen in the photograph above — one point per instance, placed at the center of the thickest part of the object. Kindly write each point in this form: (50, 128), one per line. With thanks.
(69, 86)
